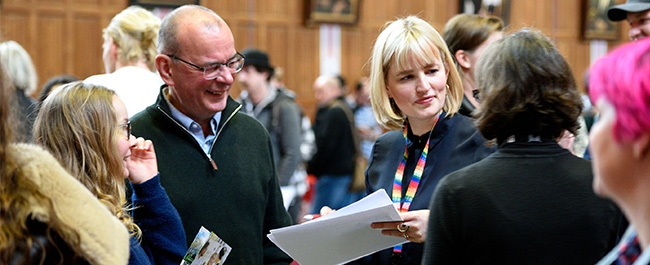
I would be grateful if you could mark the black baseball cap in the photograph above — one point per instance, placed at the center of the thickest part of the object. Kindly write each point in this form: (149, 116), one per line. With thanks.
(257, 58)
(619, 12)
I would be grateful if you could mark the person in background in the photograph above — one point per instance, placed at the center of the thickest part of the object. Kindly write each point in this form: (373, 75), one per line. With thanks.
(129, 58)
(620, 144)
(47, 216)
(415, 91)
(530, 202)
(637, 14)
(279, 114)
(86, 127)
(367, 127)
(22, 77)
(54, 83)
(333, 162)
(220, 159)
(467, 36)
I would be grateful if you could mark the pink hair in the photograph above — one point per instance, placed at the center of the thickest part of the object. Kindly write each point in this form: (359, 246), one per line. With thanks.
(622, 77)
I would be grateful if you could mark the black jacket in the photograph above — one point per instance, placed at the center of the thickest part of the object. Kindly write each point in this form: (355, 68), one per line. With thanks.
(455, 143)
(241, 201)
(334, 142)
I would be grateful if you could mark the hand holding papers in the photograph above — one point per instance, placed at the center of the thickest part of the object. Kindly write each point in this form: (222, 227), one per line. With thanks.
(341, 236)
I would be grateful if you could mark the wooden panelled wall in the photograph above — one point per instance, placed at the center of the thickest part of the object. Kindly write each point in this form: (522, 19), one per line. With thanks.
(64, 36)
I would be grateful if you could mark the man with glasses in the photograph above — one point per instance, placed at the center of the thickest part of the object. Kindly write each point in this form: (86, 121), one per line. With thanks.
(637, 14)
(219, 160)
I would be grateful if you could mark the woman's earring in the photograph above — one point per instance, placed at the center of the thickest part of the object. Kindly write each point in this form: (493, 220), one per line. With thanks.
(447, 86)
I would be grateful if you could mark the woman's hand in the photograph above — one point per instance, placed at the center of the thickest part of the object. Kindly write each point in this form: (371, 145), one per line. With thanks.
(142, 163)
(413, 228)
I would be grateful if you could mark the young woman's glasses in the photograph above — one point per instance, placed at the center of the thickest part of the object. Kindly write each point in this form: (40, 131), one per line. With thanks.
(125, 128)
(210, 72)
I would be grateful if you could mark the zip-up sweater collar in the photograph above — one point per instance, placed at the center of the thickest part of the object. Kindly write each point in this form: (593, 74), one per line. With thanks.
(232, 107)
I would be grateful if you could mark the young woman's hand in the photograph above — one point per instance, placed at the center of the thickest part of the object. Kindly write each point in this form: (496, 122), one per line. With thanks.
(142, 164)
(413, 228)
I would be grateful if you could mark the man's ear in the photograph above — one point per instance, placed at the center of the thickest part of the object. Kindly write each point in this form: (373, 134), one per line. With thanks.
(163, 65)
(641, 147)
(112, 47)
(461, 58)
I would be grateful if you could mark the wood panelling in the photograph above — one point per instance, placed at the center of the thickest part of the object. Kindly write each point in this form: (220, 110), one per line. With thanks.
(64, 36)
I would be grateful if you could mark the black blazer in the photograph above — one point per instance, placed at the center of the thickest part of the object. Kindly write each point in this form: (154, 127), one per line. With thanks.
(455, 143)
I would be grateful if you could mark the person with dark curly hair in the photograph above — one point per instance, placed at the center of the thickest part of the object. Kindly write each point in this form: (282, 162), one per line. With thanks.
(531, 201)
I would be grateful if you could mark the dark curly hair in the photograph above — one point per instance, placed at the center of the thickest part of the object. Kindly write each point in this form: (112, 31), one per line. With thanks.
(526, 88)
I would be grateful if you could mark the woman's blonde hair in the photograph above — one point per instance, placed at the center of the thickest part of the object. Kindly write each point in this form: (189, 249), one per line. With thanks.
(135, 32)
(401, 40)
(78, 125)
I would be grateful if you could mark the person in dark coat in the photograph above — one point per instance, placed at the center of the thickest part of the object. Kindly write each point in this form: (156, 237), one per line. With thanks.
(531, 201)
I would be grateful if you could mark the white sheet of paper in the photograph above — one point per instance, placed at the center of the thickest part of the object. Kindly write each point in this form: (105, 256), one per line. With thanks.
(342, 236)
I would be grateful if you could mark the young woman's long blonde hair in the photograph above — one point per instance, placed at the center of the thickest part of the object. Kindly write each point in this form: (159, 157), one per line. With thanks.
(78, 125)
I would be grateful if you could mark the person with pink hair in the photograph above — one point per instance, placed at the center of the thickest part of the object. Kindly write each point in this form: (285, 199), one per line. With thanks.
(620, 143)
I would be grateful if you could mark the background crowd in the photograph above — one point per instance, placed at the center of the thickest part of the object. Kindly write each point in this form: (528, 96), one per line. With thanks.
(477, 135)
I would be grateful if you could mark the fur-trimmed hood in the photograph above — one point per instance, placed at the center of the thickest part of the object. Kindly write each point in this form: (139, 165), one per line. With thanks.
(104, 239)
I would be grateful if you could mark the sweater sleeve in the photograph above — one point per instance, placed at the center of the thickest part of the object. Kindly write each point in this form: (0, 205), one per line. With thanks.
(290, 140)
(163, 236)
(275, 217)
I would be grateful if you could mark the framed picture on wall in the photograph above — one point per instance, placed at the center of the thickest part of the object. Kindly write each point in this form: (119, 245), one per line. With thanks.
(332, 11)
(596, 24)
(499, 8)
(163, 3)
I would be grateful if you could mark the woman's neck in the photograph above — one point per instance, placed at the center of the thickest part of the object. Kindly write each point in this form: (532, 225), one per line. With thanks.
(421, 126)
(139, 64)
(468, 88)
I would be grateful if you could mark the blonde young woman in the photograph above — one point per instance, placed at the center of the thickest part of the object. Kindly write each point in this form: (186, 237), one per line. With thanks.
(47, 216)
(86, 127)
(129, 53)
(415, 91)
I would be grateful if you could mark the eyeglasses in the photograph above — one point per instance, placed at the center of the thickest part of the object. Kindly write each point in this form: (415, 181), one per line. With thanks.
(126, 129)
(234, 65)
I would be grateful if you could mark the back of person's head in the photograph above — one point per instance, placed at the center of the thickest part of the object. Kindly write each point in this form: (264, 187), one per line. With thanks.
(54, 83)
(400, 41)
(329, 86)
(468, 31)
(135, 32)
(527, 88)
(622, 78)
(21, 73)
(78, 125)
(23, 239)
(168, 35)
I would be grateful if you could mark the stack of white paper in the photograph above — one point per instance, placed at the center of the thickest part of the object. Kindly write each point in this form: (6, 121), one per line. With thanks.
(342, 236)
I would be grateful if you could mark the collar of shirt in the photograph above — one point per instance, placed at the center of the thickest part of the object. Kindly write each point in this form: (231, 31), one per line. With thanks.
(193, 127)
(255, 110)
